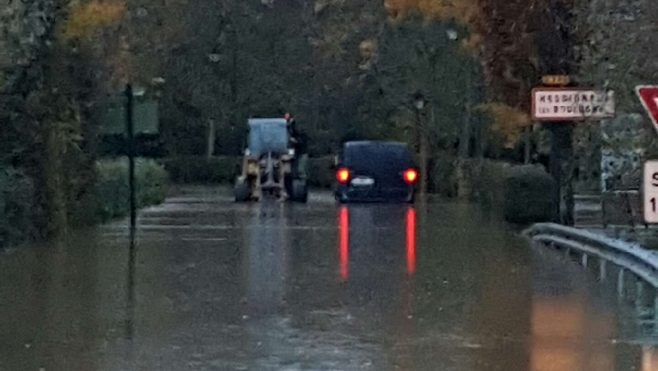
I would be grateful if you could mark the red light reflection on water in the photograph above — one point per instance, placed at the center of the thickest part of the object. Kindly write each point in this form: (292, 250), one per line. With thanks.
(410, 232)
(343, 240)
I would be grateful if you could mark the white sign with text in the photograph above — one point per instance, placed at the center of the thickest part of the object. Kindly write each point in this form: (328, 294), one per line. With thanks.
(650, 191)
(564, 104)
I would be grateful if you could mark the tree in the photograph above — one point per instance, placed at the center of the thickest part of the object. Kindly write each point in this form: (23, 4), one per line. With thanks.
(423, 58)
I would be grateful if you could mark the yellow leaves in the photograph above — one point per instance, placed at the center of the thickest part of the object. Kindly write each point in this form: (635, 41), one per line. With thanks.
(465, 11)
(473, 42)
(87, 17)
(121, 64)
(462, 10)
(397, 8)
(510, 122)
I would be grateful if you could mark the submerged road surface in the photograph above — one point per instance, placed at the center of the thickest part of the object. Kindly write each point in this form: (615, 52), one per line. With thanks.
(212, 285)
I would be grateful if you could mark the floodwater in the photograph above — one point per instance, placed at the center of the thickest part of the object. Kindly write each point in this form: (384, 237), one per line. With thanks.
(212, 285)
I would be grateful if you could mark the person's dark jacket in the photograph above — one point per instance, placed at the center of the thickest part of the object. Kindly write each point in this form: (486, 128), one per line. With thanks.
(299, 139)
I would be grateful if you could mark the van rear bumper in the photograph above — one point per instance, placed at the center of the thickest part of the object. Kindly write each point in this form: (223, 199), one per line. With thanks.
(346, 194)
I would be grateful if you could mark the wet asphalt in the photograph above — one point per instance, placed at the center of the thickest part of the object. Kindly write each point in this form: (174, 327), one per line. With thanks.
(207, 284)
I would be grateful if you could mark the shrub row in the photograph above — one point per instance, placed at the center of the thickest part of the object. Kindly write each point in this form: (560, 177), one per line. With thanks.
(320, 172)
(199, 169)
(16, 200)
(529, 194)
(113, 190)
(108, 197)
(522, 194)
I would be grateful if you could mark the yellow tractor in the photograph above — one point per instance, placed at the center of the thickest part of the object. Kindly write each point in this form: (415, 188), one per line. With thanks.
(268, 165)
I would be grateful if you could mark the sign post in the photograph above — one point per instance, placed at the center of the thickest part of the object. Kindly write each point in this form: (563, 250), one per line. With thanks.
(650, 192)
(131, 155)
(128, 117)
(560, 107)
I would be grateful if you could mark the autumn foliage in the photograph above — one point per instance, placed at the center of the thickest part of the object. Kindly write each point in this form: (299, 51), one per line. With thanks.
(505, 36)
(86, 17)
(507, 121)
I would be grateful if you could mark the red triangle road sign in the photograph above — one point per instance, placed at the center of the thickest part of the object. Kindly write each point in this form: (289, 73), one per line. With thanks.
(648, 95)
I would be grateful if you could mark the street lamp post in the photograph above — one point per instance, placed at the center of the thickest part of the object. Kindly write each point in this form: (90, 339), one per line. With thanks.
(421, 139)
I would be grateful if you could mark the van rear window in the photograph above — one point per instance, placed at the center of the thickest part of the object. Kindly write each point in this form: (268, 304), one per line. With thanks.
(377, 156)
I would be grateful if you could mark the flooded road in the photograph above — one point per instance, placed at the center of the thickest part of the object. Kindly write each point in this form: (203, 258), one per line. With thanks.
(213, 285)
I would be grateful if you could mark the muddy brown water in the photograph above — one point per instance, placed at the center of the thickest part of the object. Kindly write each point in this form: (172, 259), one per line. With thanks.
(214, 285)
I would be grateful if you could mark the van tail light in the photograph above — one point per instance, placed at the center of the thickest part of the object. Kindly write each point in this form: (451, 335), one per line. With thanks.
(343, 175)
(410, 176)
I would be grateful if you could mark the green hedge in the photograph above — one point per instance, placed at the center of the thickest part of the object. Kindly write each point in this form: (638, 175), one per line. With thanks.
(199, 169)
(107, 199)
(522, 194)
(320, 172)
(442, 177)
(529, 195)
(110, 198)
(113, 188)
(16, 201)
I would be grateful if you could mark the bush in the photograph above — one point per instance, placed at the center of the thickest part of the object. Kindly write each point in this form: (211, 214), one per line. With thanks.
(522, 194)
(112, 192)
(442, 177)
(529, 195)
(199, 169)
(16, 205)
(320, 172)
(483, 180)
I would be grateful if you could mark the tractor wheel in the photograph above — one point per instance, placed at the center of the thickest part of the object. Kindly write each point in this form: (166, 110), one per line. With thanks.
(241, 191)
(299, 191)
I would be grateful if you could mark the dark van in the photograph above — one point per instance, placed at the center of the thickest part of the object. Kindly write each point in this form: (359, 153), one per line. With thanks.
(375, 171)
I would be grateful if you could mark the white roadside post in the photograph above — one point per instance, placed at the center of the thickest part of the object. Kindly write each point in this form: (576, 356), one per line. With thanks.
(650, 192)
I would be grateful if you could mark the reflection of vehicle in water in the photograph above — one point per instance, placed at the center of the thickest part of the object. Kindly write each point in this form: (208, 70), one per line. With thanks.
(377, 260)
(376, 236)
(268, 164)
(267, 259)
(375, 171)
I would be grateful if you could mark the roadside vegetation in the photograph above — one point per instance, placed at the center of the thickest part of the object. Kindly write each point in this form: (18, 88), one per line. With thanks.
(344, 69)
(106, 199)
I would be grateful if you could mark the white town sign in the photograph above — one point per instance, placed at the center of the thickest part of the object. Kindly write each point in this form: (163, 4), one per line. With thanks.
(571, 104)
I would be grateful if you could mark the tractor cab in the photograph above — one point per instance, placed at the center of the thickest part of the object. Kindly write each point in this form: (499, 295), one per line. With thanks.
(267, 165)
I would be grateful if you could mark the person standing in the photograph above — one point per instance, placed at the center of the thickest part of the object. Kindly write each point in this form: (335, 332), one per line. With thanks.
(299, 141)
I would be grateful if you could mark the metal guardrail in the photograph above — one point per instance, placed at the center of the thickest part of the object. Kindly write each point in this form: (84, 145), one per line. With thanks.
(627, 255)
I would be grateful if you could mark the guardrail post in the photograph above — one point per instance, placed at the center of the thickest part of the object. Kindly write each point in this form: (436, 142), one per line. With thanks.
(620, 283)
(584, 260)
(639, 291)
(567, 252)
(602, 269)
(655, 314)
